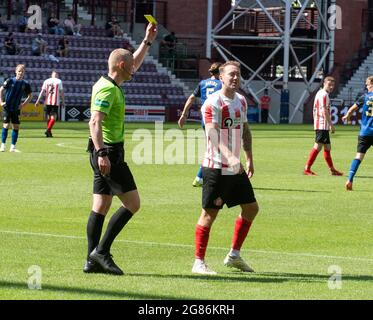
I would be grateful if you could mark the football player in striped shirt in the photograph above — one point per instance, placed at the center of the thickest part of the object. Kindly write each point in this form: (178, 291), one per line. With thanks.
(322, 125)
(225, 180)
(52, 89)
(365, 139)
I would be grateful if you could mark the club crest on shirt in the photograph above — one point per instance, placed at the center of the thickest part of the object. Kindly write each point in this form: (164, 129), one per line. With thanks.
(228, 122)
(231, 123)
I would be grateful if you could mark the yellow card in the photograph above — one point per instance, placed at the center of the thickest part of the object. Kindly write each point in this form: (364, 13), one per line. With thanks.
(151, 19)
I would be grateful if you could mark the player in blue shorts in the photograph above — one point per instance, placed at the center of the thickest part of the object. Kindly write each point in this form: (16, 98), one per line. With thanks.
(365, 139)
(15, 89)
(204, 89)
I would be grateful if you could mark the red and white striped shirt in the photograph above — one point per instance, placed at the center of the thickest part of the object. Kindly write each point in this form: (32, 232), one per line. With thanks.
(321, 103)
(52, 88)
(229, 115)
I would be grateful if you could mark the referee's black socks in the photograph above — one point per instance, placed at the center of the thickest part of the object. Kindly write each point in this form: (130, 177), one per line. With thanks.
(94, 229)
(115, 225)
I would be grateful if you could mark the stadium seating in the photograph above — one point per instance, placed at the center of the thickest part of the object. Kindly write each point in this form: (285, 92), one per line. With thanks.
(86, 62)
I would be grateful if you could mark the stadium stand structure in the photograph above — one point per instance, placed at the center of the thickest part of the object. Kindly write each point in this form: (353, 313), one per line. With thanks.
(152, 85)
(355, 85)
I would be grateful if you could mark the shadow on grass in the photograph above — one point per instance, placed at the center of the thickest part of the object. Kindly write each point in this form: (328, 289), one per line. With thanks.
(110, 293)
(264, 277)
(292, 190)
(231, 277)
(364, 177)
(305, 277)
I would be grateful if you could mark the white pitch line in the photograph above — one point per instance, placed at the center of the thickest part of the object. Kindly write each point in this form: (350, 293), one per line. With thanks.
(63, 145)
(177, 245)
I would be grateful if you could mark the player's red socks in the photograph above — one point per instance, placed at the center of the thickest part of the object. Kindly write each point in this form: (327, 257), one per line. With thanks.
(241, 229)
(202, 238)
(311, 158)
(328, 159)
(51, 124)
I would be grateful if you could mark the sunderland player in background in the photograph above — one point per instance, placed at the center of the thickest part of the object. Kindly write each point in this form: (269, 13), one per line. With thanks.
(224, 178)
(322, 126)
(15, 88)
(365, 139)
(203, 90)
(52, 89)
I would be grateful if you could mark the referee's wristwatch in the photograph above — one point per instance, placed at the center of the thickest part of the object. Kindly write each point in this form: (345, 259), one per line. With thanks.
(103, 152)
(147, 42)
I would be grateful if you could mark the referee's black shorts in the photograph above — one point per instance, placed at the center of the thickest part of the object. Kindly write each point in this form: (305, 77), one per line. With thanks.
(322, 136)
(120, 179)
(232, 189)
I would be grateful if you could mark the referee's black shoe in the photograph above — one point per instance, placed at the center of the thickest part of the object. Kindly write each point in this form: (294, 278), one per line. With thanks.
(92, 267)
(106, 262)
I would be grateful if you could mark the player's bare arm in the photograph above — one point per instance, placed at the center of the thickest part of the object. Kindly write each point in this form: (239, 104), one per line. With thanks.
(139, 54)
(247, 147)
(2, 103)
(39, 97)
(328, 119)
(28, 99)
(353, 108)
(184, 114)
(95, 128)
(217, 143)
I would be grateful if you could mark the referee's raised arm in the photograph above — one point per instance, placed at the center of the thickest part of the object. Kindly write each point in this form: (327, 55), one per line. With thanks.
(139, 54)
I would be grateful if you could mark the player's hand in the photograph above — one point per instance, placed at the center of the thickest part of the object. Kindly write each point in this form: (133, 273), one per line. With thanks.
(151, 32)
(36, 105)
(104, 165)
(181, 121)
(346, 118)
(332, 129)
(2, 104)
(235, 164)
(250, 169)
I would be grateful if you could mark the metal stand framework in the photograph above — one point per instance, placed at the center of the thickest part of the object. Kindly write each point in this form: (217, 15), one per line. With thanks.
(324, 42)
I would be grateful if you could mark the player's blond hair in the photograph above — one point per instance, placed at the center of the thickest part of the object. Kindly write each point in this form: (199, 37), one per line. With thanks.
(20, 66)
(229, 63)
(370, 80)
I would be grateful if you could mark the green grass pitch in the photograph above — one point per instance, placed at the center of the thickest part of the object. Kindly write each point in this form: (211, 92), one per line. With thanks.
(309, 230)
